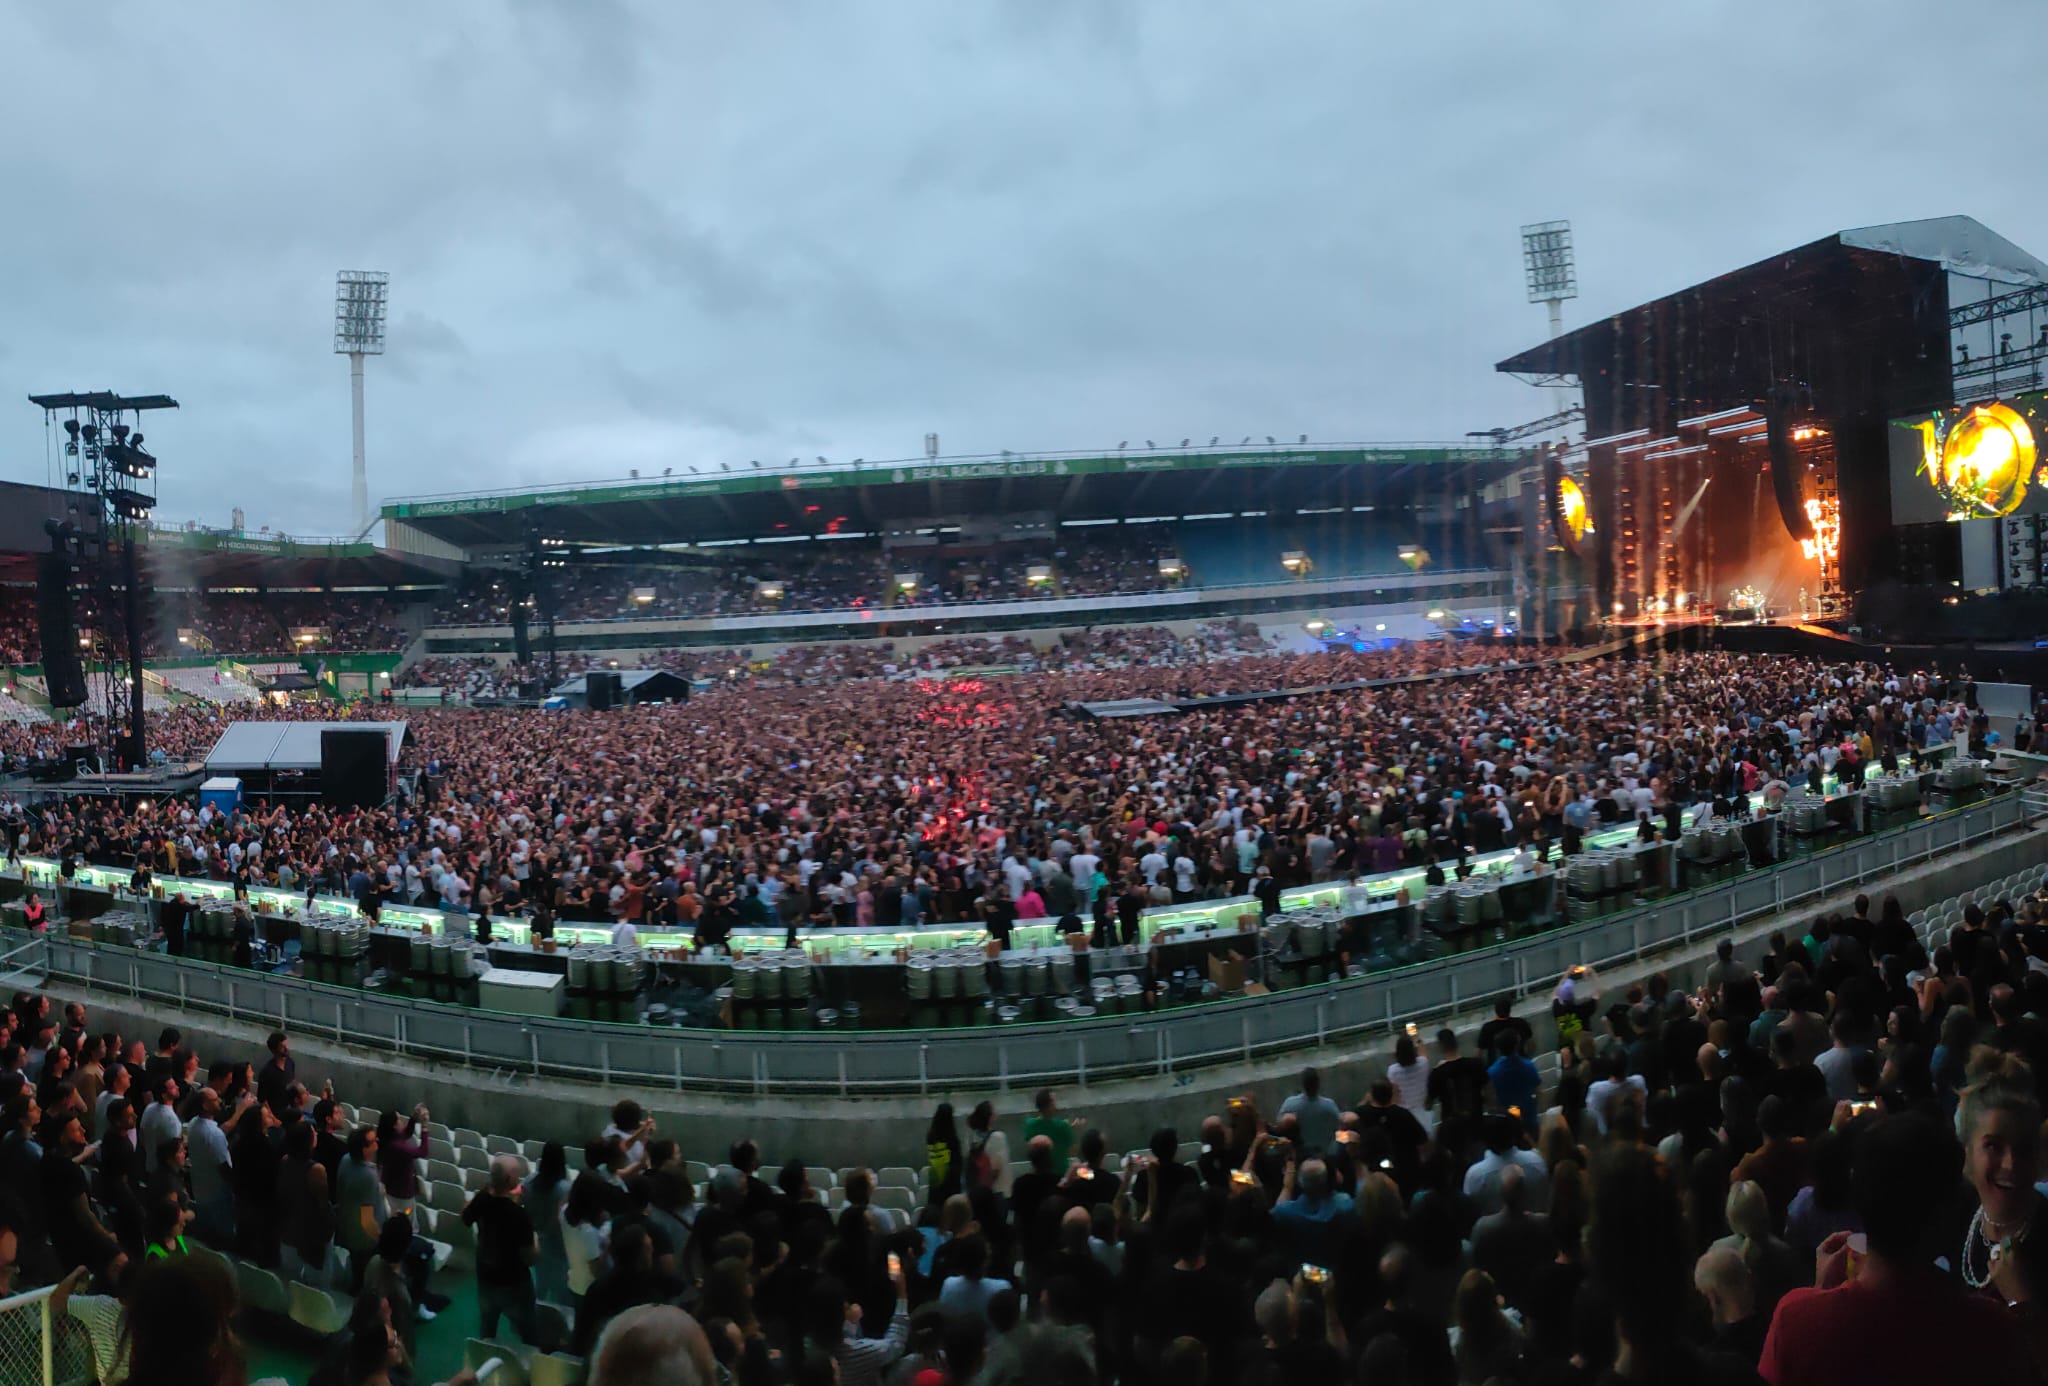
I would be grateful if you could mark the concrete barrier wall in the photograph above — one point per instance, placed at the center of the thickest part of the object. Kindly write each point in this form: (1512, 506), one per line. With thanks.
(1351, 1046)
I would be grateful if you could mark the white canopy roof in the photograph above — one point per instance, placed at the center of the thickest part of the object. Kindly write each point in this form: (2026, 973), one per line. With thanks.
(288, 745)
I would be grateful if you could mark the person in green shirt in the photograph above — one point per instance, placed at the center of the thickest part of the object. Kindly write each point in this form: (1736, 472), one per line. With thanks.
(1054, 1127)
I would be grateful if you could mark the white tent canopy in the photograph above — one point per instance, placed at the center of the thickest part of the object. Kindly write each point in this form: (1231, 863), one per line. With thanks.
(260, 746)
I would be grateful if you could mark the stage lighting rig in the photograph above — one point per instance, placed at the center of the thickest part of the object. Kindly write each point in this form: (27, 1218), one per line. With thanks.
(115, 481)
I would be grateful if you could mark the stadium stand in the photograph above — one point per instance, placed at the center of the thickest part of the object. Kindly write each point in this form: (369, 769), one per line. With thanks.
(209, 685)
(1466, 1180)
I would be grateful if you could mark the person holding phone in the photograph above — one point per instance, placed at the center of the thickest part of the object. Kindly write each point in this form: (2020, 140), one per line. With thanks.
(832, 1325)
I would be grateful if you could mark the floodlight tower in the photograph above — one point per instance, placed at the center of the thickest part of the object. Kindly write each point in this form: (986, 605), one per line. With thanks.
(359, 301)
(1552, 277)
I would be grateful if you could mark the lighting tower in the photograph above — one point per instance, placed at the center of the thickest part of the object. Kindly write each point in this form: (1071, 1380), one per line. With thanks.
(359, 302)
(1552, 276)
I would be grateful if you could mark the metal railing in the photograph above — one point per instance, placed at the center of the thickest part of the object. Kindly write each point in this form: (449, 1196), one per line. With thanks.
(38, 1350)
(1012, 1056)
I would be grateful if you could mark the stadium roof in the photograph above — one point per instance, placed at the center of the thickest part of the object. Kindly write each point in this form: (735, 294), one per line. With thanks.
(1736, 311)
(219, 558)
(755, 501)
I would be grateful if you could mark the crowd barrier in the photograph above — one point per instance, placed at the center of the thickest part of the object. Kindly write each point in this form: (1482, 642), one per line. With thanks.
(1011, 1056)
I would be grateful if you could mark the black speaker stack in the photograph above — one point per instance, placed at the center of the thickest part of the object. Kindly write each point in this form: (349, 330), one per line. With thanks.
(603, 690)
(353, 771)
(63, 671)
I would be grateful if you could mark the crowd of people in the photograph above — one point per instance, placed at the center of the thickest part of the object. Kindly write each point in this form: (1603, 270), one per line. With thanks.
(471, 678)
(825, 577)
(886, 802)
(184, 623)
(1822, 1164)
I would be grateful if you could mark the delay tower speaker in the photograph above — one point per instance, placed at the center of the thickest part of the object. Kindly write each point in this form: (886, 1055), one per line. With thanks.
(601, 690)
(353, 772)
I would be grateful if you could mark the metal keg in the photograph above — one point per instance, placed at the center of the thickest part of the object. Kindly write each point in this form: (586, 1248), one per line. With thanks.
(768, 980)
(1063, 973)
(1013, 976)
(1312, 937)
(743, 976)
(946, 977)
(973, 976)
(1489, 906)
(1037, 973)
(828, 1019)
(1468, 908)
(439, 945)
(917, 979)
(1065, 1006)
(1007, 1014)
(796, 975)
(657, 1014)
(1083, 1013)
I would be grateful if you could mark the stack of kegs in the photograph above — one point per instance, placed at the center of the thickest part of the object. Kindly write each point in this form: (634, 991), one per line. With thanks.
(120, 929)
(605, 981)
(1959, 778)
(769, 990)
(333, 951)
(1893, 793)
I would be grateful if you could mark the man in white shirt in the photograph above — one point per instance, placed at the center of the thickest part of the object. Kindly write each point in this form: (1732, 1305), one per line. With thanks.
(1153, 863)
(624, 935)
(1482, 1181)
(211, 1168)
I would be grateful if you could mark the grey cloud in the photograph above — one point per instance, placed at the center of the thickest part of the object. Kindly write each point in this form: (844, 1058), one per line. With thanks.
(646, 233)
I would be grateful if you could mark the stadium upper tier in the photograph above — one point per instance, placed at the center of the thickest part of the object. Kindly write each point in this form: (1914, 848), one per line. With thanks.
(861, 575)
(743, 501)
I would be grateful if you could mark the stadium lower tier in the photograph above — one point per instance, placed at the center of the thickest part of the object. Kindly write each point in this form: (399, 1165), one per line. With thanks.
(952, 975)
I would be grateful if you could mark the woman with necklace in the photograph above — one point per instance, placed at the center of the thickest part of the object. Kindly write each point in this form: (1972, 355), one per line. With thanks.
(2005, 1250)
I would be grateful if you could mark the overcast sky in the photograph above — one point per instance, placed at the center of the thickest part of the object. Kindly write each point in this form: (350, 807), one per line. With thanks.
(649, 234)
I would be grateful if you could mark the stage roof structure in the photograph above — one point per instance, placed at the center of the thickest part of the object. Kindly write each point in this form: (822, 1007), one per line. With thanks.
(260, 747)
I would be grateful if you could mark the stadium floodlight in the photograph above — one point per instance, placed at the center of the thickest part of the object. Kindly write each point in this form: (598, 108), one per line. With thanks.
(1547, 263)
(360, 298)
(1294, 561)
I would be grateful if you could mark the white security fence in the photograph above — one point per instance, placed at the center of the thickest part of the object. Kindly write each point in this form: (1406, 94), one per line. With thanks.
(1020, 1056)
(36, 1350)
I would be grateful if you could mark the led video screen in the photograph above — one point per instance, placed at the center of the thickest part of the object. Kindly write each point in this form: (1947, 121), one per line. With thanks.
(1971, 462)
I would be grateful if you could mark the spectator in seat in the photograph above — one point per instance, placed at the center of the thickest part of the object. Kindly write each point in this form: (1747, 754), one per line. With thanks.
(832, 1325)
(632, 1280)
(1722, 1277)
(653, 1345)
(1316, 1114)
(506, 1250)
(1900, 1318)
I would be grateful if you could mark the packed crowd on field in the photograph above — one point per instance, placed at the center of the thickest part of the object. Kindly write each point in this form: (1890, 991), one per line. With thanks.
(1821, 1165)
(873, 801)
